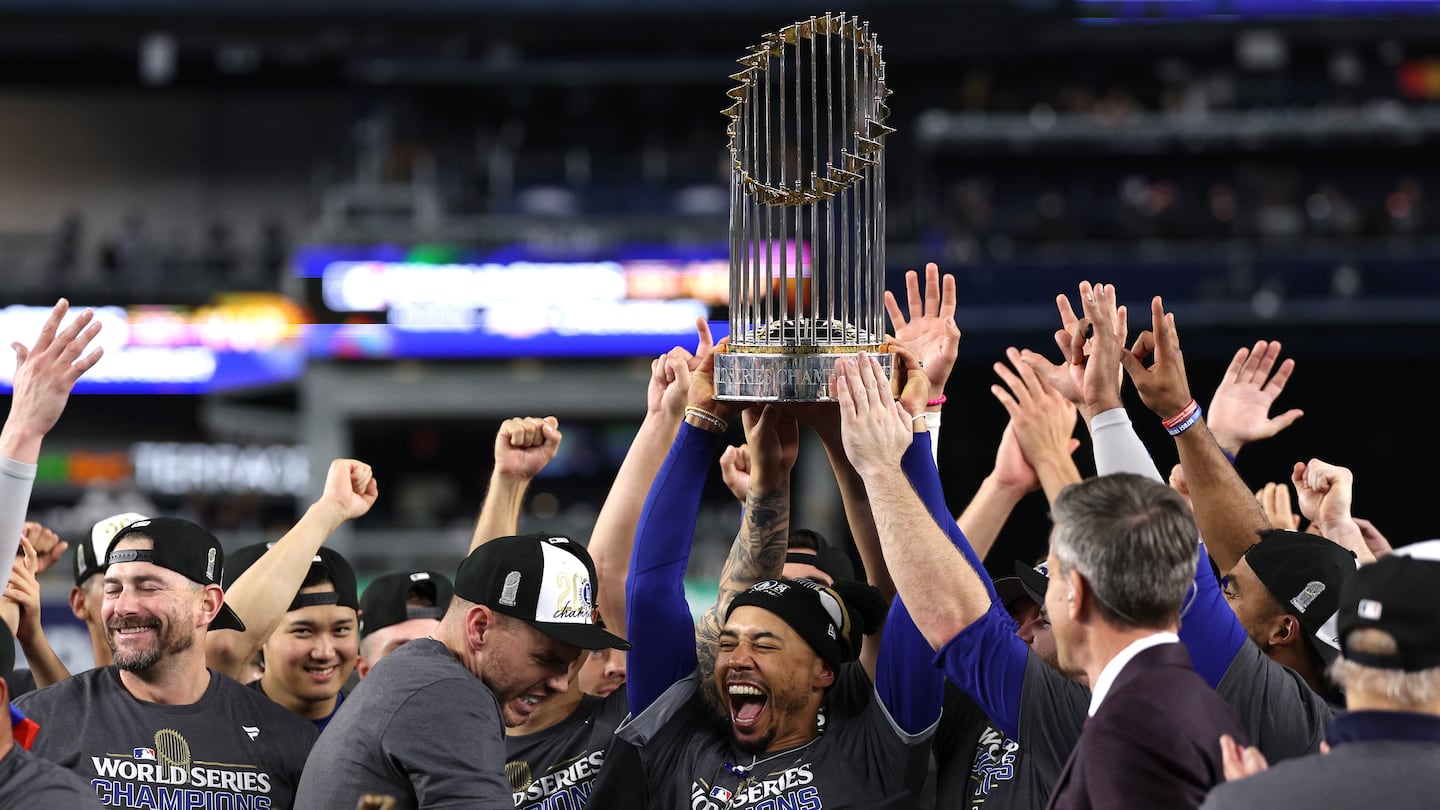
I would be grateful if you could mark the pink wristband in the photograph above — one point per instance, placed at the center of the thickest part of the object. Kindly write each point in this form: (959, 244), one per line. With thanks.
(1184, 414)
(940, 400)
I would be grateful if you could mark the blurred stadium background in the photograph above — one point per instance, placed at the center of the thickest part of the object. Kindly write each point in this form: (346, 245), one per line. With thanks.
(377, 228)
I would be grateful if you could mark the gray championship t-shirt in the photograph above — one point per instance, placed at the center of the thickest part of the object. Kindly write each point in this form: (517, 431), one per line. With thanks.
(1282, 714)
(421, 729)
(233, 748)
(556, 767)
(978, 765)
(28, 782)
(678, 754)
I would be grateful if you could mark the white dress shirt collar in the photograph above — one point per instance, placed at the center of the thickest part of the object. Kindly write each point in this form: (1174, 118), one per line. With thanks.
(1102, 684)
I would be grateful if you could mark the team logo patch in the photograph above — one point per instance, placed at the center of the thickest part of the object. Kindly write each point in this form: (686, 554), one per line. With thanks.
(1310, 593)
(144, 753)
(511, 589)
(1369, 609)
(720, 793)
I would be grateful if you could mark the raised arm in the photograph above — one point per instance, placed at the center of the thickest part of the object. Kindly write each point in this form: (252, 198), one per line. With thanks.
(1034, 452)
(658, 621)
(758, 552)
(1240, 408)
(929, 330)
(1228, 514)
(614, 533)
(261, 595)
(523, 446)
(1324, 491)
(21, 610)
(1089, 376)
(45, 374)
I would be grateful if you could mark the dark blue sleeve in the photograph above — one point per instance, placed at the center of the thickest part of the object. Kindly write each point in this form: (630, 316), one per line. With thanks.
(996, 690)
(660, 628)
(927, 486)
(987, 661)
(910, 687)
(1208, 627)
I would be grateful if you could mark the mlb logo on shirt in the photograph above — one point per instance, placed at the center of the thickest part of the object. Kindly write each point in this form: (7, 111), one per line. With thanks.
(720, 793)
(144, 753)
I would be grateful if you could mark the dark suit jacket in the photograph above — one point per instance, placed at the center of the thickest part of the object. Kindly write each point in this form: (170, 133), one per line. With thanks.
(1154, 743)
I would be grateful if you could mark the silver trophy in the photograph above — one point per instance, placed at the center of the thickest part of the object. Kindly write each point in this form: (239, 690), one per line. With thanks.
(807, 210)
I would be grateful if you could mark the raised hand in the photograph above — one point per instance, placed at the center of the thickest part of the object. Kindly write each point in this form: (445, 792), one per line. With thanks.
(23, 591)
(1162, 385)
(928, 329)
(667, 392)
(701, 384)
(49, 548)
(1275, 500)
(1324, 492)
(1240, 409)
(350, 488)
(874, 427)
(1089, 375)
(773, 438)
(525, 444)
(735, 470)
(914, 383)
(45, 373)
(1042, 420)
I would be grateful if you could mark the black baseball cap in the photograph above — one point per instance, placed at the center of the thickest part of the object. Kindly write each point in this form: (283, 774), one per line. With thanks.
(1396, 594)
(327, 563)
(386, 599)
(182, 547)
(1028, 581)
(89, 555)
(1304, 573)
(817, 613)
(545, 580)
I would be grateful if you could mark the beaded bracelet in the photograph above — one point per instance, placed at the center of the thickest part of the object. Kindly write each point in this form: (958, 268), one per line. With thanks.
(940, 400)
(706, 416)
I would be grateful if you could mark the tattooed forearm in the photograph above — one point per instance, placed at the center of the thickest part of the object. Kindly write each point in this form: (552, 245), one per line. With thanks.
(758, 553)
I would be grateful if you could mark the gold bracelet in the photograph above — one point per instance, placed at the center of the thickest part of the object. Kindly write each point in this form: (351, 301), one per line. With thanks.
(706, 416)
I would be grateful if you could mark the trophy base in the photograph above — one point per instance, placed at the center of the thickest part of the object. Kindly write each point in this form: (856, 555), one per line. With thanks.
(747, 377)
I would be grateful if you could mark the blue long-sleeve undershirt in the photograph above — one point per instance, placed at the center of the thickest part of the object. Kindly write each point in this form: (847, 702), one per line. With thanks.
(912, 690)
(1209, 629)
(658, 620)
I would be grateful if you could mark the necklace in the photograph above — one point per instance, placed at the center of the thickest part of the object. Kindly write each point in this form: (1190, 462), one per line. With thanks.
(747, 773)
(755, 761)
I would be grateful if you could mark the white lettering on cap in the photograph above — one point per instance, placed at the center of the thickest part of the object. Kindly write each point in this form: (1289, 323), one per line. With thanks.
(565, 591)
(210, 565)
(419, 576)
(510, 589)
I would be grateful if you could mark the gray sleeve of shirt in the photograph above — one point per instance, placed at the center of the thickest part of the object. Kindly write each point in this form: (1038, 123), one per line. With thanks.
(1282, 714)
(16, 479)
(1052, 714)
(441, 767)
(1118, 448)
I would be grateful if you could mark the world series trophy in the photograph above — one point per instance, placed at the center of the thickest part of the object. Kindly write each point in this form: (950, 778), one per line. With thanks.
(807, 210)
